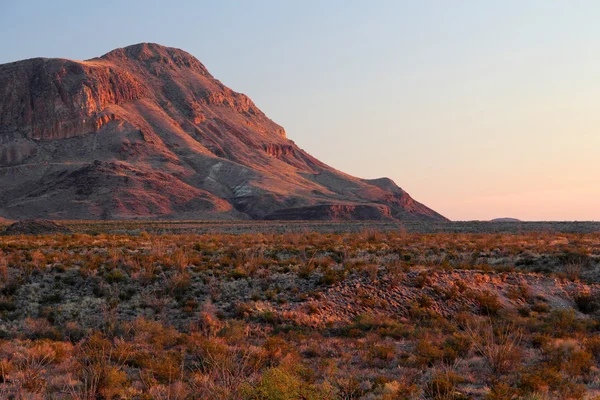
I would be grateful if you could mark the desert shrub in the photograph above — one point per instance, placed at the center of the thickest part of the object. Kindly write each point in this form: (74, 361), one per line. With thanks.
(451, 293)
(178, 284)
(6, 369)
(100, 289)
(305, 270)
(459, 343)
(442, 386)
(10, 288)
(574, 258)
(115, 276)
(540, 379)
(243, 309)
(51, 298)
(502, 391)
(127, 293)
(220, 371)
(283, 384)
(396, 390)
(366, 322)
(332, 276)
(348, 388)
(592, 345)
(396, 271)
(520, 292)
(427, 352)
(384, 352)
(3, 266)
(561, 322)
(489, 304)
(99, 369)
(461, 285)
(275, 349)
(500, 347)
(154, 333)
(365, 298)
(524, 311)
(423, 315)
(73, 332)
(569, 358)
(540, 340)
(40, 328)
(164, 368)
(579, 363)
(424, 301)
(422, 280)
(238, 273)
(384, 326)
(548, 379)
(586, 302)
(176, 390)
(540, 307)
(233, 331)
(267, 317)
(29, 371)
(7, 304)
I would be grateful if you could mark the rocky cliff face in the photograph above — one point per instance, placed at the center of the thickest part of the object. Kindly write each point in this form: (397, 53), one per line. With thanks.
(58, 99)
(147, 132)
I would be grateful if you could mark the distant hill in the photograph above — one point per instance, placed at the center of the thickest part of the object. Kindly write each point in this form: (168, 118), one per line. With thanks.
(505, 219)
(147, 132)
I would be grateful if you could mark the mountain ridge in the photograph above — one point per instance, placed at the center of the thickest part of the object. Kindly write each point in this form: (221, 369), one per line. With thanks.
(145, 131)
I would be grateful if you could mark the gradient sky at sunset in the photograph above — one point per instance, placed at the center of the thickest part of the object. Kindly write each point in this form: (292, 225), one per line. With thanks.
(479, 109)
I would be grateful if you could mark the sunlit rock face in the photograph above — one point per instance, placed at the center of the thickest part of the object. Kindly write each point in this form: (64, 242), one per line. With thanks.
(147, 132)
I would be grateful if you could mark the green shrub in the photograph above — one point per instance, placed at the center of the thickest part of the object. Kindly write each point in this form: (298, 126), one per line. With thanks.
(281, 384)
(115, 276)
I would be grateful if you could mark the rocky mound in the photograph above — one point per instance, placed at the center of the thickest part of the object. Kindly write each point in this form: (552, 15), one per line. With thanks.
(147, 132)
(35, 227)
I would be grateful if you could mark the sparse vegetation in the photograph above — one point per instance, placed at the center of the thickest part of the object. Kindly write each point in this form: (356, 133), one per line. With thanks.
(371, 315)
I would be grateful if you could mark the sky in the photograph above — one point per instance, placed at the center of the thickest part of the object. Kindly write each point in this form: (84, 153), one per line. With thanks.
(478, 109)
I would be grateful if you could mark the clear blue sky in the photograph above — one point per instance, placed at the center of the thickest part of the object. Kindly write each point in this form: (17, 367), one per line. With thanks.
(479, 109)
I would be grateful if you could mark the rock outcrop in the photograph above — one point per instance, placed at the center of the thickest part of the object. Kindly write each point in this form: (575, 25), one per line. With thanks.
(35, 227)
(147, 132)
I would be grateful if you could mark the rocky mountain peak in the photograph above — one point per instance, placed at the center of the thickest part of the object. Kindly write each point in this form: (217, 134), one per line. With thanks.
(145, 131)
(152, 53)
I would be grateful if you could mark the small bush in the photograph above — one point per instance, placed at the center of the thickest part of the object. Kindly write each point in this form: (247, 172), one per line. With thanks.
(587, 303)
(500, 347)
(281, 384)
(489, 304)
(442, 386)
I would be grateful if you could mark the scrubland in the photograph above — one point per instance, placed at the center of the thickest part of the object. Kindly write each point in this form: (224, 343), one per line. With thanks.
(364, 315)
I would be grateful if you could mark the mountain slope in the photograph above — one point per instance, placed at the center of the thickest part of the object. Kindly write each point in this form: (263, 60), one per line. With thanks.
(147, 132)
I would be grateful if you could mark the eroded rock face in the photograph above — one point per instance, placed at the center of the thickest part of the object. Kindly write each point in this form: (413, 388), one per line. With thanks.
(47, 99)
(147, 132)
(278, 150)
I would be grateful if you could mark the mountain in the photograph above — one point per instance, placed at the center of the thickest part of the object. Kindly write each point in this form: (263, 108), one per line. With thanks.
(146, 131)
(505, 219)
